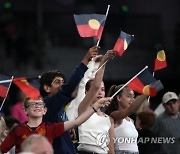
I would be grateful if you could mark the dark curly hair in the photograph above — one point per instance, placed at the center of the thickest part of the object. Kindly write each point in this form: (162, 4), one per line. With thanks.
(113, 106)
(147, 119)
(47, 79)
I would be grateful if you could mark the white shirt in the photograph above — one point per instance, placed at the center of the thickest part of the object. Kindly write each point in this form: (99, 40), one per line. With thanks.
(126, 136)
(94, 135)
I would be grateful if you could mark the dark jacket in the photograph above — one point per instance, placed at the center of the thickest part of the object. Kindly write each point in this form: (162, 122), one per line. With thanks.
(55, 113)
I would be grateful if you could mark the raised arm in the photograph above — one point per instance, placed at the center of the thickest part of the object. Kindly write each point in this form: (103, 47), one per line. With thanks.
(86, 114)
(96, 83)
(121, 114)
(72, 110)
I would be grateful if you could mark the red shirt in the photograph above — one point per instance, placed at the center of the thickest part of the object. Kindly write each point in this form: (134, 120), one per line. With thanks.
(22, 131)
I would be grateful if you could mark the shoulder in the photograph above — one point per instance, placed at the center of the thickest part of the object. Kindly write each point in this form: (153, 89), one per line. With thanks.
(18, 128)
(111, 120)
(161, 116)
(48, 124)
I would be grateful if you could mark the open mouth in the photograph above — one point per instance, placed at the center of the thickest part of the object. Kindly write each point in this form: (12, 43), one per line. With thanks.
(99, 97)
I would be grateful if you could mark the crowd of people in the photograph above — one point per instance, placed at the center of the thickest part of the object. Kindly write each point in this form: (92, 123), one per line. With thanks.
(76, 116)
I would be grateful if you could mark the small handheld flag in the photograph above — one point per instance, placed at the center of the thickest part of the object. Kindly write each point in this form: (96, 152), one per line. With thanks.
(90, 25)
(123, 42)
(146, 84)
(26, 87)
(160, 61)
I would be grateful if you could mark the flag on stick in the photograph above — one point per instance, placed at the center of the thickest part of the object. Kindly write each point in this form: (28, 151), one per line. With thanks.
(4, 84)
(26, 87)
(90, 25)
(123, 42)
(146, 84)
(160, 61)
(142, 86)
(7, 91)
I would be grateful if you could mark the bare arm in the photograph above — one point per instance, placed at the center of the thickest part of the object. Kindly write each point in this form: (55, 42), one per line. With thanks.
(96, 83)
(111, 137)
(121, 114)
(86, 114)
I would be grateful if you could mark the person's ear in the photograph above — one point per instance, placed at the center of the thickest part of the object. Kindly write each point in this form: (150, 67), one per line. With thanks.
(47, 88)
(118, 98)
(25, 110)
(45, 110)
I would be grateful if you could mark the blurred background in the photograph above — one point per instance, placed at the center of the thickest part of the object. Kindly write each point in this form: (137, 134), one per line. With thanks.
(40, 35)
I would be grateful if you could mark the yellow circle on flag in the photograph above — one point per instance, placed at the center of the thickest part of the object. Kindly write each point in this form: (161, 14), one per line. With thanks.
(146, 90)
(125, 44)
(161, 55)
(94, 24)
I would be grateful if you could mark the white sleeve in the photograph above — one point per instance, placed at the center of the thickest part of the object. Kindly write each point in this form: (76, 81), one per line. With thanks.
(72, 110)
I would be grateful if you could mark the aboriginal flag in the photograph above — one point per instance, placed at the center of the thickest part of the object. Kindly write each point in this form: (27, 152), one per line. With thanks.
(146, 84)
(4, 84)
(160, 61)
(29, 89)
(90, 25)
(123, 42)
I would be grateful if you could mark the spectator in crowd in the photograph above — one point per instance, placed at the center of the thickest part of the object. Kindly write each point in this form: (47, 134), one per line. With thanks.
(98, 124)
(123, 105)
(167, 124)
(35, 110)
(72, 109)
(36, 144)
(144, 123)
(57, 94)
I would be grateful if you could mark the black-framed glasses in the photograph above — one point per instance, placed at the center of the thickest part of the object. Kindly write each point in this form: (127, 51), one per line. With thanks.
(36, 104)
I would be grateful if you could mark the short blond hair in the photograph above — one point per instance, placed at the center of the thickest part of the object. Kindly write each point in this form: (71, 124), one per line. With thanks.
(32, 141)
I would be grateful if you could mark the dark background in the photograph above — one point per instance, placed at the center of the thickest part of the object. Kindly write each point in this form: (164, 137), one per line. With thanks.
(40, 35)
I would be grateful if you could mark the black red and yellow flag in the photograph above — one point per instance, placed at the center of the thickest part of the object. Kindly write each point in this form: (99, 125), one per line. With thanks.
(28, 89)
(160, 61)
(4, 85)
(123, 42)
(90, 25)
(146, 84)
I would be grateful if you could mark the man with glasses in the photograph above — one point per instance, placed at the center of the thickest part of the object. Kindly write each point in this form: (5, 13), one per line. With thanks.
(167, 124)
(56, 95)
(35, 110)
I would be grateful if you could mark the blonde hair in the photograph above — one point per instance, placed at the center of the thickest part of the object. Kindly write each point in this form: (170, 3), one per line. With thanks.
(32, 140)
